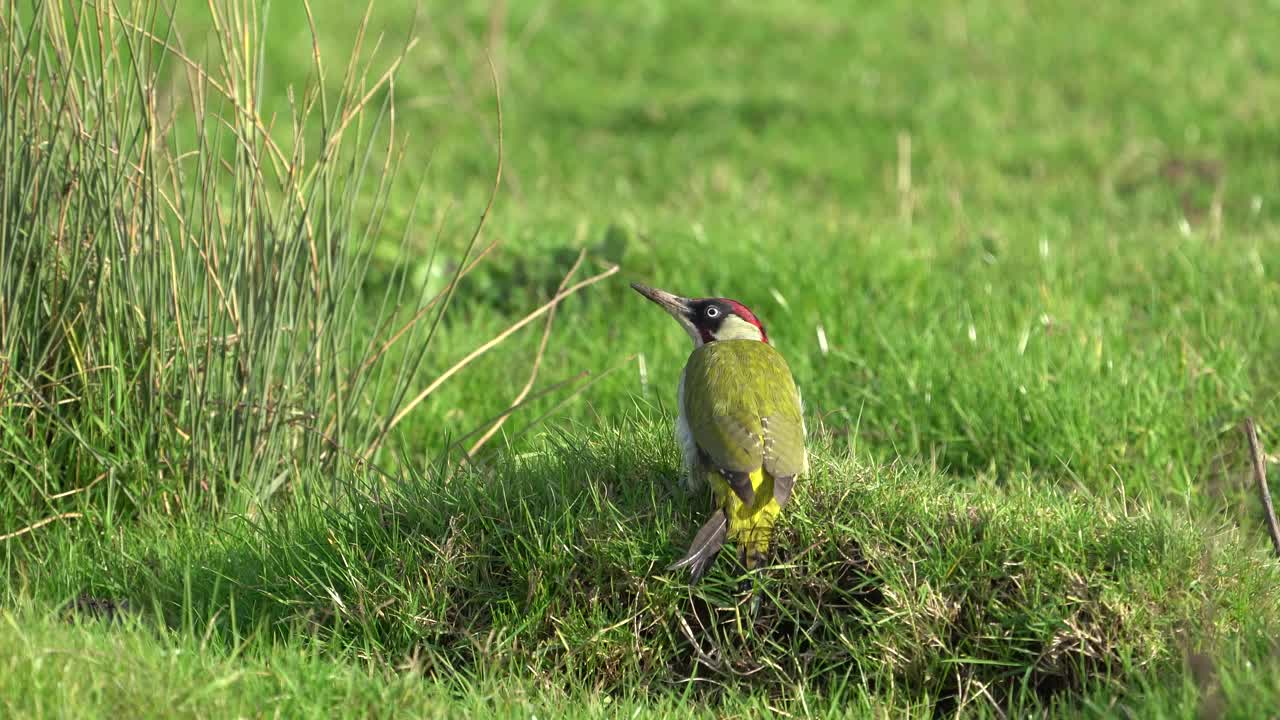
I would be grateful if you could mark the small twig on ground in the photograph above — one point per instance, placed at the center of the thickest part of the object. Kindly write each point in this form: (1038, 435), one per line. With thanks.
(571, 396)
(537, 363)
(395, 337)
(42, 523)
(86, 488)
(1260, 475)
(486, 347)
(475, 236)
(553, 387)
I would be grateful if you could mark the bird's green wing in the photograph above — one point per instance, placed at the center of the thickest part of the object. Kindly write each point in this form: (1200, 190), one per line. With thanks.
(743, 409)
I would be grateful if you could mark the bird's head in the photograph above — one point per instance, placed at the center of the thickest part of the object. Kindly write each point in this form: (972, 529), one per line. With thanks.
(708, 319)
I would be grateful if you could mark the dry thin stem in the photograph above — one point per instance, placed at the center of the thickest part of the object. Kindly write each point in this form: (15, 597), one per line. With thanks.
(475, 235)
(516, 406)
(493, 190)
(1260, 475)
(79, 490)
(576, 392)
(486, 347)
(42, 523)
(395, 337)
(537, 364)
(195, 67)
(249, 113)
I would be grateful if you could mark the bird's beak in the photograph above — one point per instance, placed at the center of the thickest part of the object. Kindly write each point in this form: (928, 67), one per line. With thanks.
(673, 304)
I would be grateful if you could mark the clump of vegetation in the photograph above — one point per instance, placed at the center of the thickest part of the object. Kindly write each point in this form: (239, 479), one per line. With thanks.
(182, 280)
(888, 585)
(187, 319)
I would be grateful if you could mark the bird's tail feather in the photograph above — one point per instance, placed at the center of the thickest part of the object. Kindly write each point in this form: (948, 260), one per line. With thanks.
(752, 554)
(753, 544)
(706, 544)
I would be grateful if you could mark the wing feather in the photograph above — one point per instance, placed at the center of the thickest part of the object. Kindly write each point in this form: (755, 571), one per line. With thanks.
(741, 427)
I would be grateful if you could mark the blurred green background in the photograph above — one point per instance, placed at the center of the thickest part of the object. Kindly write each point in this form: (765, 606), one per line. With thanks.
(1035, 237)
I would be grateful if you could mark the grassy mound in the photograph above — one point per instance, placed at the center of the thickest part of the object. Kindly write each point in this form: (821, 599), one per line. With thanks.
(888, 581)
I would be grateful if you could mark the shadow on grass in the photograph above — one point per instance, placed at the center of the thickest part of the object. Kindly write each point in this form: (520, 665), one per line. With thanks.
(551, 566)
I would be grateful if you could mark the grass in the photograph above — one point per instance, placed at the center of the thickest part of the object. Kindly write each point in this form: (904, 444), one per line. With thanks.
(1040, 246)
(917, 597)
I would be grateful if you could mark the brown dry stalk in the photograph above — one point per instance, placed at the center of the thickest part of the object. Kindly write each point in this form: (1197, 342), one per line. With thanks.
(537, 363)
(553, 387)
(42, 523)
(570, 397)
(1260, 475)
(395, 337)
(280, 163)
(475, 236)
(484, 348)
(78, 490)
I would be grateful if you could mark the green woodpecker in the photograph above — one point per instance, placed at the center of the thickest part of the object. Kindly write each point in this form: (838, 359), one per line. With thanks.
(741, 425)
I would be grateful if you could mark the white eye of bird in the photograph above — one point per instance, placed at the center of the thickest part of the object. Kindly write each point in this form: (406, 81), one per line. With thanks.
(713, 311)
